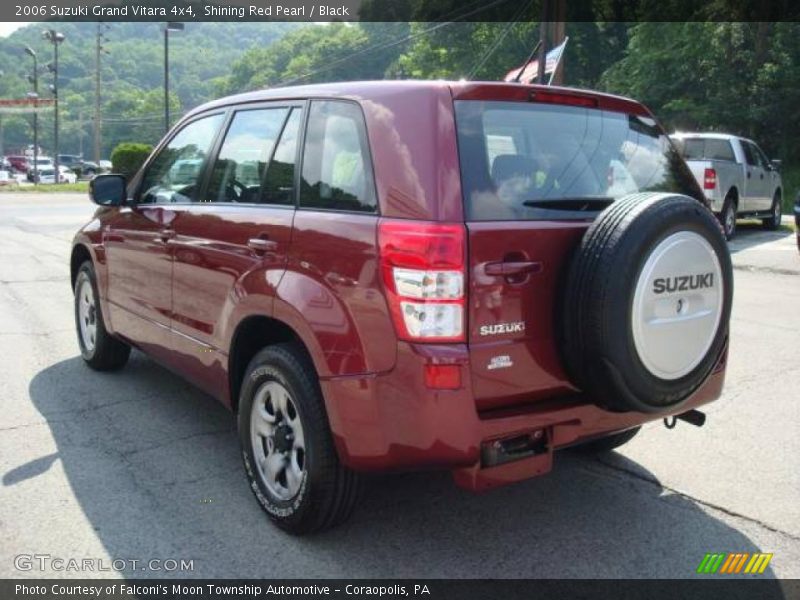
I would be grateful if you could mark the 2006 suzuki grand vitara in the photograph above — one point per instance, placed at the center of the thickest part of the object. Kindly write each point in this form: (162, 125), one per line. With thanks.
(401, 275)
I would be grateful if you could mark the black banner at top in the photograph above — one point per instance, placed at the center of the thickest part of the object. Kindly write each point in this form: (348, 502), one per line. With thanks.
(397, 10)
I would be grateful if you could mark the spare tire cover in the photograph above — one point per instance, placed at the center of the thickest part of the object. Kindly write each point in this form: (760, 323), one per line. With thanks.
(647, 303)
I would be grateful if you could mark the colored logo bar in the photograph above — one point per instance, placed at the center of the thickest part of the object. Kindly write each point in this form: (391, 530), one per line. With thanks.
(734, 562)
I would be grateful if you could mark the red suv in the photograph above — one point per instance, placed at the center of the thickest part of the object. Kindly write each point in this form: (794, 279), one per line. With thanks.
(412, 275)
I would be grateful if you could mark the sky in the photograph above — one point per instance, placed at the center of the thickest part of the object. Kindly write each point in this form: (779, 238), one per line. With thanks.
(7, 28)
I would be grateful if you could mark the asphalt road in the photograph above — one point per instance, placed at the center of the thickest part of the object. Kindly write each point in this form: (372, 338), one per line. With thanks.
(139, 465)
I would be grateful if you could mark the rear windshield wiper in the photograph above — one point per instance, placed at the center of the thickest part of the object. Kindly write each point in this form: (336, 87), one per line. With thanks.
(590, 203)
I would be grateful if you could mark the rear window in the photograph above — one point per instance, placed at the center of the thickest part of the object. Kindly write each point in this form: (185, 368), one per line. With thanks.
(705, 149)
(544, 161)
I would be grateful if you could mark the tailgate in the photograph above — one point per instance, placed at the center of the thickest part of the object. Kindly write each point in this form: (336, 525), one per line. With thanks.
(516, 269)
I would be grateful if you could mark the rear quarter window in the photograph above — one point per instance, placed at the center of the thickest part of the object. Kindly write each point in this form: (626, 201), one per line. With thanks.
(337, 170)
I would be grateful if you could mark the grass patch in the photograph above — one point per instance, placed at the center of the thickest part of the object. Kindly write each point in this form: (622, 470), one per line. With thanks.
(80, 186)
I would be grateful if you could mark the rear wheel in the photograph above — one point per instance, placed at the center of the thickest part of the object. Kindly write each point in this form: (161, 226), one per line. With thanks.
(287, 447)
(728, 217)
(99, 349)
(773, 222)
(609, 442)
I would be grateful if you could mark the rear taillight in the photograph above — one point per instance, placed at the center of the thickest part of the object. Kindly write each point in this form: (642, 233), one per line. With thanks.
(710, 179)
(423, 267)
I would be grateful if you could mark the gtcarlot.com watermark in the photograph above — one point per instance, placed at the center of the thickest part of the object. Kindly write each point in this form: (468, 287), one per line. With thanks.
(61, 564)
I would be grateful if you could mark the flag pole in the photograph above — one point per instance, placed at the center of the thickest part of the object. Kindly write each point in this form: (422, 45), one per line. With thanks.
(558, 62)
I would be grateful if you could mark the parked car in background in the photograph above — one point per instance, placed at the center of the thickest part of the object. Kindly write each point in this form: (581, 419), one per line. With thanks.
(797, 218)
(67, 174)
(47, 175)
(412, 275)
(42, 164)
(19, 163)
(70, 160)
(736, 176)
(80, 167)
(90, 169)
(6, 178)
(105, 165)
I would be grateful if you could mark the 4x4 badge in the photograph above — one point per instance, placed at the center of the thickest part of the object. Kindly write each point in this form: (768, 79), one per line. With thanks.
(516, 327)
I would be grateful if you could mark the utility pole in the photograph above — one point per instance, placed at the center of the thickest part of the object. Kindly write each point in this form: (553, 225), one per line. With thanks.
(98, 48)
(167, 28)
(542, 42)
(55, 38)
(80, 133)
(551, 34)
(35, 96)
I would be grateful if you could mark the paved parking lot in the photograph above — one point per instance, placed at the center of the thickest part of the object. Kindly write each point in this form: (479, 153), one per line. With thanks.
(139, 465)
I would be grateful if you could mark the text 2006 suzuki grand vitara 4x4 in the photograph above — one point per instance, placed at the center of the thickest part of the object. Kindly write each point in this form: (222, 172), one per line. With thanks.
(402, 275)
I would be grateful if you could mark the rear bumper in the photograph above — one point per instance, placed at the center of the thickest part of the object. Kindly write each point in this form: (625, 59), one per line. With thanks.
(393, 421)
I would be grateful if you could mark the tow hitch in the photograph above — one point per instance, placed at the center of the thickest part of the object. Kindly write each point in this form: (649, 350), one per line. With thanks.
(693, 417)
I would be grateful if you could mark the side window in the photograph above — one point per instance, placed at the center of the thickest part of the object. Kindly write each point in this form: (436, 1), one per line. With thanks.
(242, 161)
(749, 154)
(174, 174)
(762, 157)
(719, 150)
(279, 186)
(337, 173)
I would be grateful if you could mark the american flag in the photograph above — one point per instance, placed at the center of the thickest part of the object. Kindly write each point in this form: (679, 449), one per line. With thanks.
(531, 70)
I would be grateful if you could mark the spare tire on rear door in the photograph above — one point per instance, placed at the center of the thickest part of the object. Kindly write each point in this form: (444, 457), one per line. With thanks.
(647, 303)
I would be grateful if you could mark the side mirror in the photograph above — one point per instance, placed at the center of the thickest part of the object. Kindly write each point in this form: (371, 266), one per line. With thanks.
(776, 164)
(108, 190)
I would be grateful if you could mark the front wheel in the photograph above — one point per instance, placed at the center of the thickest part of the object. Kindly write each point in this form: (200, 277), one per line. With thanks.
(99, 349)
(773, 222)
(287, 447)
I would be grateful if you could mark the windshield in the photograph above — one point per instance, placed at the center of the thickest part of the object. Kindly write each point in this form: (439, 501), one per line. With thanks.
(545, 161)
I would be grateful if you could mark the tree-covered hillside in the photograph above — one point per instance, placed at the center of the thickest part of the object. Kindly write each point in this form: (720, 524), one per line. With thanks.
(740, 77)
(132, 76)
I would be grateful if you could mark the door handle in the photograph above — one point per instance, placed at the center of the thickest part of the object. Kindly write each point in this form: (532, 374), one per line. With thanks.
(505, 269)
(748, 174)
(165, 235)
(762, 176)
(262, 245)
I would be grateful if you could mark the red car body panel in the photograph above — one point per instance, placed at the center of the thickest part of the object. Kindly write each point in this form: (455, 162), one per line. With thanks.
(179, 280)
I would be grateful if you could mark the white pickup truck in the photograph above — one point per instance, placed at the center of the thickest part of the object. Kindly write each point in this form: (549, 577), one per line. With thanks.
(736, 176)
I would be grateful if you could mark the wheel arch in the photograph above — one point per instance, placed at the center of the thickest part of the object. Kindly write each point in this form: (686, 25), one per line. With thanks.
(80, 254)
(252, 334)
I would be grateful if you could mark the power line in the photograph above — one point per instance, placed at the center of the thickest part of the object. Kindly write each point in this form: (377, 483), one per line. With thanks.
(392, 43)
(499, 40)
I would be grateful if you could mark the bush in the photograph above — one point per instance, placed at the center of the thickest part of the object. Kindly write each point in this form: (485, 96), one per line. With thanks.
(127, 158)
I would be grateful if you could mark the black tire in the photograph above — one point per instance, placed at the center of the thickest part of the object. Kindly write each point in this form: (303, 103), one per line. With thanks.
(728, 216)
(598, 323)
(774, 221)
(328, 491)
(108, 353)
(608, 443)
